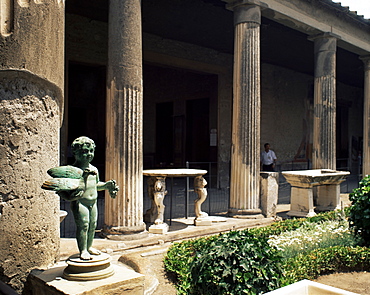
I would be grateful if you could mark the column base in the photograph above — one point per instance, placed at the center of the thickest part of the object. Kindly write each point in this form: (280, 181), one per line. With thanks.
(159, 228)
(124, 233)
(246, 213)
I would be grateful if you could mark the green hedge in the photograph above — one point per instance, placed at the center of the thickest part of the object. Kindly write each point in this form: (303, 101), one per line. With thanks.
(359, 212)
(291, 224)
(179, 258)
(233, 263)
(324, 261)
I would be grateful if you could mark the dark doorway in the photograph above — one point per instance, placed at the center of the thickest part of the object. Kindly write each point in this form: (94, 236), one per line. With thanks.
(164, 134)
(197, 130)
(86, 108)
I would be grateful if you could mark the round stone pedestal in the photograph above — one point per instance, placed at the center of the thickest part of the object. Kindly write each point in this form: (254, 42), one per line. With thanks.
(97, 268)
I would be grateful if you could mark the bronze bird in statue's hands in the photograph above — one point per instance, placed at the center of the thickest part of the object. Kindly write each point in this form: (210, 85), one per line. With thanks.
(66, 178)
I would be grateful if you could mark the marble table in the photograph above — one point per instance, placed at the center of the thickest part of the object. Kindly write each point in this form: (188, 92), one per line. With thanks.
(327, 182)
(157, 192)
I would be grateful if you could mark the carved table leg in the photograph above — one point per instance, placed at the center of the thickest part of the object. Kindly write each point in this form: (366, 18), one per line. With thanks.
(152, 213)
(201, 218)
(159, 192)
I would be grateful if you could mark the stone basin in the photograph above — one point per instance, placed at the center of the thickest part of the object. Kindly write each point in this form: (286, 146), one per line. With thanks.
(326, 196)
(315, 177)
(307, 287)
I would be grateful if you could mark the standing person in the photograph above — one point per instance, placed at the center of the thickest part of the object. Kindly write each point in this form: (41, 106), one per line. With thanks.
(268, 159)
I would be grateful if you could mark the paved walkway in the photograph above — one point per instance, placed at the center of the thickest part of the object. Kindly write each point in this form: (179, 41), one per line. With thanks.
(183, 228)
(145, 255)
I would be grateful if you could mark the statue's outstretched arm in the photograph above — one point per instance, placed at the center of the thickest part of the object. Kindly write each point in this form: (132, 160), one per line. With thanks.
(110, 185)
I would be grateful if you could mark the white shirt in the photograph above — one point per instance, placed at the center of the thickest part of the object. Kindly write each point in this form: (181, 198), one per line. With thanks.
(268, 158)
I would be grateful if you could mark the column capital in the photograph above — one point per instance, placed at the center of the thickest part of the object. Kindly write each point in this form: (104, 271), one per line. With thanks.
(325, 41)
(366, 61)
(246, 11)
(325, 35)
(231, 4)
(247, 14)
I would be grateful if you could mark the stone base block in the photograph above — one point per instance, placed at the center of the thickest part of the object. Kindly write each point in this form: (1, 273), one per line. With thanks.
(327, 208)
(302, 214)
(328, 197)
(158, 228)
(301, 202)
(217, 219)
(203, 221)
(51, 282)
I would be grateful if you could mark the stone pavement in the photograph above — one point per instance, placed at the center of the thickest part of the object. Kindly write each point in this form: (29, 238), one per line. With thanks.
(145, 255)
(180, 229)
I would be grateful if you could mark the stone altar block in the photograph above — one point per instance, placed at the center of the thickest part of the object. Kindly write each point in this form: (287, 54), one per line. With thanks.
(269, 192)
(327, 182)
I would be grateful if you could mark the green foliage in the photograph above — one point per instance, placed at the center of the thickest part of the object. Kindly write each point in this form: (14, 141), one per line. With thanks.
(235, 263)
(359, 213)
(312, 236)
(293, 224)
(179, 258)
(324, 261)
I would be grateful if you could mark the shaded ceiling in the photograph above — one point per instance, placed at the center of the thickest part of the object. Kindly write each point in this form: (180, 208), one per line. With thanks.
(209, 24)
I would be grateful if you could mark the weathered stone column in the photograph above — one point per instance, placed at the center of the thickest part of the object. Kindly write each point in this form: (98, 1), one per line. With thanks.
(31, 104)
(324, 127)
(245, 159)
(269, 193)
(366, 132)
(124, 215)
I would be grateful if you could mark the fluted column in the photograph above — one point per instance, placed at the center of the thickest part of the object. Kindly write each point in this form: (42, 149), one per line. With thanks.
(366, 132)
(245, 169)
(324, 127)
(124, 215)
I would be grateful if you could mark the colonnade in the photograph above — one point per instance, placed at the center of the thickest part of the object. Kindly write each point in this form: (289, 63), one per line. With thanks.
(124, 111)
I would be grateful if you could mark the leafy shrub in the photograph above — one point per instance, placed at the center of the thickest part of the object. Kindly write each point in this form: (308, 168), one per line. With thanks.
(293, 224)
(359, 212)
(311, 236)
(180, 256)
(235, 263)
(324, 261)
